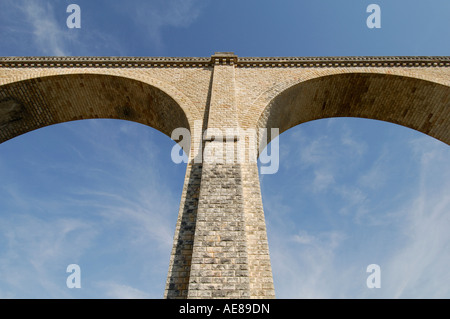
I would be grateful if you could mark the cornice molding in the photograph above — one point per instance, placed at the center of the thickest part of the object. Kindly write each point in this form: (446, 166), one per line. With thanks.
(323, 62)
(102, 62)
(223, 58)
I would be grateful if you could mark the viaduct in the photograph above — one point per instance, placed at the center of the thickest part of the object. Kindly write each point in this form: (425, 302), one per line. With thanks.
(220, 247)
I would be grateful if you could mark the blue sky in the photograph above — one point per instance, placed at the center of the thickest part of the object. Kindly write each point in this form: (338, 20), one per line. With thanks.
(104, 194)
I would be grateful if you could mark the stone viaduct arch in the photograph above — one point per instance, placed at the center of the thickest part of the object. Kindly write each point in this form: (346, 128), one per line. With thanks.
(33, 103)
(415, 103)
(220, 245)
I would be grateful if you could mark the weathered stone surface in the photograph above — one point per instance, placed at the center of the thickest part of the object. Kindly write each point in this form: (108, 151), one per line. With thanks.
(220, 247)
(10, 110)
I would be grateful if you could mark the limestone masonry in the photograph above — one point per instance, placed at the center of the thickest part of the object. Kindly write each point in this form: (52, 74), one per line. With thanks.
(220, 245)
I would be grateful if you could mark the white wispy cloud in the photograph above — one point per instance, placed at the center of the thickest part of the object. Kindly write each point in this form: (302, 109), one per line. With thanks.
(354, 201)
(147, 214)
(355, 147)
(419, 267)
(306, 265)
(156, 15)
(323, 179)
(151, 18)
(36, 252)
(117, 211)
(376, 176)
(48, 34)
(120, 291)
(33, 27)
(38, 27)
(392, 196)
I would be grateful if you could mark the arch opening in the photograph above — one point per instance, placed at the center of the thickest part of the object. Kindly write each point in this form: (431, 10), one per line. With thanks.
(326, 223)
(102, 194)
(352, 192)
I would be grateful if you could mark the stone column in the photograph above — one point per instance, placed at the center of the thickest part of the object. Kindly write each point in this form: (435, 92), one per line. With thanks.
(220, 247)
(180, 261)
